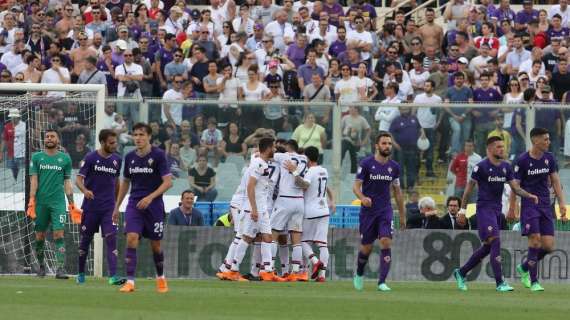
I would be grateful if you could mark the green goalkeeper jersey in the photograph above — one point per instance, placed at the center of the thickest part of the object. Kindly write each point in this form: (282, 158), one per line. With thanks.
(51, 172)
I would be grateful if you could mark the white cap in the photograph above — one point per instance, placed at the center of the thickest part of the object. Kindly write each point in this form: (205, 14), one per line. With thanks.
(14, 113)
(121, 44)
(463, 60)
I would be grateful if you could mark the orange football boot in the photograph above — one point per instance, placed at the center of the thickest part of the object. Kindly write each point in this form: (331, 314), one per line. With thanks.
(161, 285)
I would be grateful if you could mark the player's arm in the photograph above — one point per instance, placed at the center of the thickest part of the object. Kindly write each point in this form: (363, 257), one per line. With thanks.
(164, 186)
(511, 212)
(251, 183)
(331, 202)
(555, 180)
(33, 186)
(80, 183)
(357, 190)
(296, 172)
(468, 189)
(68, 188)
(397, 190)
(516, 188)
(124, 186)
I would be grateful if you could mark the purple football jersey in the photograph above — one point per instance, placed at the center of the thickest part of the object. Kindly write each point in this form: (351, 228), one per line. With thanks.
(101, 175)
(145, 173)
(533, 175)
(491, 181)
(376, 181)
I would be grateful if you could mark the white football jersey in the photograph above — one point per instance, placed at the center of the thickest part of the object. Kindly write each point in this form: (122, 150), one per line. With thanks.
(287, 185)
(316, 195)
(258, 169)
(273, 180)
(239, 196)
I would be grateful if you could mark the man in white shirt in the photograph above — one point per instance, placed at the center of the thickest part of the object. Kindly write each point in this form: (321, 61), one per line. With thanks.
(303, 3)
(281, 30)
(428, 120)
(561, 9)
(171, 25)
(478, 64)
(129, 75)
(360, 39)
(13, 58)
(172, 112)
(387, 114)
(56, 74)
(518, 55)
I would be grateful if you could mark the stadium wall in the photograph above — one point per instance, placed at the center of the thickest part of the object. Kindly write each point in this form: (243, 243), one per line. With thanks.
(418, 255)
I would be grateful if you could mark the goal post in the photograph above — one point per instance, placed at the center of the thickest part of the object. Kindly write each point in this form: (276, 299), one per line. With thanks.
(97, 95)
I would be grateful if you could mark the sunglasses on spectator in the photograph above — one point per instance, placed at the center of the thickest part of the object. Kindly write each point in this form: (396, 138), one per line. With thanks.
(6, 76)
(127, 55)
(177, 55)
(55, 60)
(392, 52)
(523, 79)
(81, 39)
(19, 79)
(95, 12)
(226, 27)
(41, 14)
(514, 84)
(345, 69)
(177, 81)
(69, 9)
(205, 32)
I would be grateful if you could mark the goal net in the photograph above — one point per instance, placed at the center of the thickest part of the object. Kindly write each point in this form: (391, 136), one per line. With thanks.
(25, 115)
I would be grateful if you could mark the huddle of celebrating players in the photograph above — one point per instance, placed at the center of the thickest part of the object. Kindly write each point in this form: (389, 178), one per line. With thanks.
(283, 196)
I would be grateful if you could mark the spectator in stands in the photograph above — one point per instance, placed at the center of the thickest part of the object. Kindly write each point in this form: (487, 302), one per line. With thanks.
(367, 90)
(310, 134)
(232, 144)
(428, 212)
(317, 91)
(172, 112)
(253, 90)
(56, 74)
(78, 151)
(427, 118)
(90, 74)
(79, 54)
(355, 135)
(211, 139)
(14, 142)
(459, 119)
(387, 114)
(202, 180)
(186, 214)
(346, 90)
(306, 70)
(175, 67)
(462, 166)
(483, 118)
(449, 220)
(33, 72)
(501, 132)
(174, 160)
(414, 219)
(406, 131)
(107, 66)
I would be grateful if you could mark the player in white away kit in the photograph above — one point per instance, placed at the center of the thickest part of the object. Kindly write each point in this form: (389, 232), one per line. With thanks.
(254, 217)
(317, 212)
(290, 207)
(235, 211)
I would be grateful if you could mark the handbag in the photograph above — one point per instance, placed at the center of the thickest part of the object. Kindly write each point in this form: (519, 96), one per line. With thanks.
(131, 86)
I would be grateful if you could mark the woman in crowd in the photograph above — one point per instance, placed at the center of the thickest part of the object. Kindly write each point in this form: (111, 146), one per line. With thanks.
(253, 90)
(233, 142)
(202, 180)
(310, 134)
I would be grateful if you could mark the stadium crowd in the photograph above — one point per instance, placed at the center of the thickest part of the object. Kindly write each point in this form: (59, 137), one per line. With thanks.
(319, 51)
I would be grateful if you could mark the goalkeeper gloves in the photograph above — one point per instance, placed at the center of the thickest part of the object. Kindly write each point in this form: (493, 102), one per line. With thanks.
(31, 212)
(74, 213)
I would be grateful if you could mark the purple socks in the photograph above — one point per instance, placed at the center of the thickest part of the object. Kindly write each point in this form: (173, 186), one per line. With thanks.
(385, 261)
(112, 253)
(475, 259)
(84, 251)
(131, 262)
(361, 263)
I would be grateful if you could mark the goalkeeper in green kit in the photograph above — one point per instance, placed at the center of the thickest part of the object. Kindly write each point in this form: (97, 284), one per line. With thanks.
(50, 179)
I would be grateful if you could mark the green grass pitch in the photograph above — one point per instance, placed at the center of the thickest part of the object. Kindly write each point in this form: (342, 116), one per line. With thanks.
(31, 298)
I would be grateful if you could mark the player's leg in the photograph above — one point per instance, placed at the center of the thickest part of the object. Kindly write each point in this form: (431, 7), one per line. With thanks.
(153, 230)
(89, 225)
(530, 227)
(255, 259)
(283, 243)
(109, 232)
(321, 240)
(368, 229)
(385, 262)
(41, 224)
(134, 226)
(495, 261)
(248, 230)
(268, 273)
(295, 227)
(226, 264)
(158, 257)
(58, 219)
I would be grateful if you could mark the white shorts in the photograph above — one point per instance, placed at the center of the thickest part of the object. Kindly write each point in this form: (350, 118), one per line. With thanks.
(236, 215)
(250, 228)
(288, 214)
(316, 229)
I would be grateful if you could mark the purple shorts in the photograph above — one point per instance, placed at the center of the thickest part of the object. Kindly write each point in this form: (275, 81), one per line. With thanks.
(488, 222)
(92, 220)
(375, 226)
(537, 220)
(149, 222)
